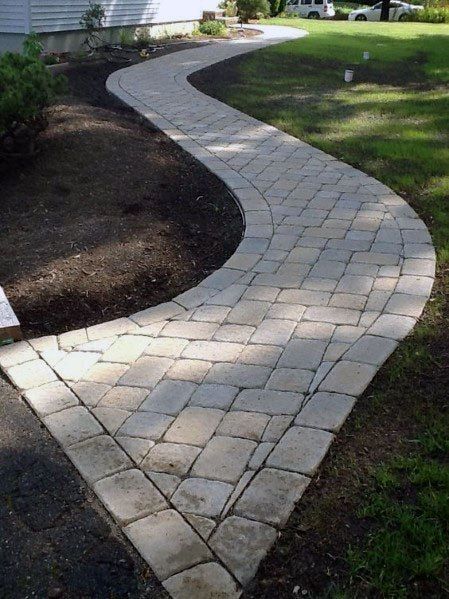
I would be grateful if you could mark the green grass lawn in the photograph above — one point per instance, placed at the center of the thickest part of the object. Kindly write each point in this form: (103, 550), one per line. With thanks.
(393, 123)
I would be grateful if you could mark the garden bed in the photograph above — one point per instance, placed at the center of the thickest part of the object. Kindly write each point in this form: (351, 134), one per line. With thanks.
(110, 218)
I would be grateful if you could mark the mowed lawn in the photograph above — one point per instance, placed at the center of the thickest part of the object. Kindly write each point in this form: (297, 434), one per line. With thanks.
(392, 122)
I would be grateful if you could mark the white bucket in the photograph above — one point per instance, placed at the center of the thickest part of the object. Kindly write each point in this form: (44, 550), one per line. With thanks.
(349, 75)
(366, 56)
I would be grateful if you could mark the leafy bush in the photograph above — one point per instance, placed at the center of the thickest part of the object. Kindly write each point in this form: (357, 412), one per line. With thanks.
(92, 21)
(212, 28)
(27, 88)
(274, 7)
(342, 12)
(230, 7)
(430, 15)
(253, 9)
(143, 38)
(127, 37)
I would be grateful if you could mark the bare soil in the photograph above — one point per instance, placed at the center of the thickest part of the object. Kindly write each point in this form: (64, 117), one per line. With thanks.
(111, 217)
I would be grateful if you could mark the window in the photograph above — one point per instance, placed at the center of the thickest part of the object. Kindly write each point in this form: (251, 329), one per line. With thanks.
(318, 2)
(377, 6)
(303, 2)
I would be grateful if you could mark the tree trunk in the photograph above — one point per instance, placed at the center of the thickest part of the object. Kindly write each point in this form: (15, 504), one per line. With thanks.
(385, 11)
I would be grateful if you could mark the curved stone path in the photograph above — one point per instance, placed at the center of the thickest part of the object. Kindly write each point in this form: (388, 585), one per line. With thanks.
(199, 422)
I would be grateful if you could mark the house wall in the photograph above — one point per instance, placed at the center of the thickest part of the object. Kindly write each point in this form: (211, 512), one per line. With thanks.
(61, 18)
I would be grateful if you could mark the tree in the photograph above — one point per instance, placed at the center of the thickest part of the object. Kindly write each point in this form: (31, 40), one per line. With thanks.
(385, 10)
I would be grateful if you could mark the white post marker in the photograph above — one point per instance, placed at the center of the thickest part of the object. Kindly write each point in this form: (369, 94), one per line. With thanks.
(366, 55)
(349, 75)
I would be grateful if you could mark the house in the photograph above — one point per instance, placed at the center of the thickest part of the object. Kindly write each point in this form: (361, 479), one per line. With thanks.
(58, 20)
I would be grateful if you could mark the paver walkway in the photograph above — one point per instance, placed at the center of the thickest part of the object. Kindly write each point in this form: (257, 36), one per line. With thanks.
(199, 422)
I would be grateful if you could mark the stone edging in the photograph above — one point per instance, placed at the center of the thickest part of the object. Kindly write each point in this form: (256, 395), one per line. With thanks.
(199, 422)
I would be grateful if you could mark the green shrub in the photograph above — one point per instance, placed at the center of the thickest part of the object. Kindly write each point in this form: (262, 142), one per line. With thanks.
(27, 89)
(230, 7)
(92, 21)
(127, 37)
(342, 12)
(430, 15)
(253, 9)
(212, 28)
(274, 7)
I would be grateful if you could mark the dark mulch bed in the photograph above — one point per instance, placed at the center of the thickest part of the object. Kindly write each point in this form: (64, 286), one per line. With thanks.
(110, 218)
(56, 540)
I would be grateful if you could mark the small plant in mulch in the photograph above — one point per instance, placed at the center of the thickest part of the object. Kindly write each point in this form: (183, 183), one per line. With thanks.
(92, 21)
(27, 89)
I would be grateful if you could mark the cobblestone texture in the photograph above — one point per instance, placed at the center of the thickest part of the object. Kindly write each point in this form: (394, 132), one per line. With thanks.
(199, 422)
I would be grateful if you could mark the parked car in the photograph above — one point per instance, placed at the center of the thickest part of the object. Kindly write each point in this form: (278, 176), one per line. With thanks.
(311, 9)
(398, 12)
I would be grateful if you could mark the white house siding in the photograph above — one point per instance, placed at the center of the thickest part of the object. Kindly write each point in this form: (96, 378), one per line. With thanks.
(64, 15)
(13, 16)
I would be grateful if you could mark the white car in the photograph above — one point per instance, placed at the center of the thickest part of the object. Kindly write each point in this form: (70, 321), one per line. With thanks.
(398, 12)
(311, 9)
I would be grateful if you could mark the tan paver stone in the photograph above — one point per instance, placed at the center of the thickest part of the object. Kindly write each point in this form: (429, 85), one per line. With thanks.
(201, 496)
(260, 355)
(31, 374)
(190, 330)
(111, 418)
(203, 582)
(214, 351)
(146, 425)
(72, 425)
(98, 457)
(248, 425)
(72, 338)
(253, 539)
(106, 373)
(248, 312)
(51, 398)
(271, 496)
(136, 448)
(189, 370)
(274, 332)
(171, 458)
(129, 496)
(119, 326)
(16, 353)
(234, 333)
(300, 450)
(224, 458)
(90, 393)
(146, 372)
(290, 379)
(194, 426)
(166, 483)
(214, 396)
(238, 375)
(350, 378)
(75, 365)
(268, 401)
(169, 397)
(371, 350)
(302, 353)
(203, 526)
(167, 347)
(126, 349)
(327, 411)
(167, 543)
(123, 398)
(276, 428)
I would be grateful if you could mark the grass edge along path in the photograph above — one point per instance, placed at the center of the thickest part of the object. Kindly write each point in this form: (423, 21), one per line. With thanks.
(393, 123)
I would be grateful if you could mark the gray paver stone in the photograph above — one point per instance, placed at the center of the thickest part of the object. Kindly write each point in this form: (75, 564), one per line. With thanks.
(271, 496)
(167, 543)
(253, 540)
